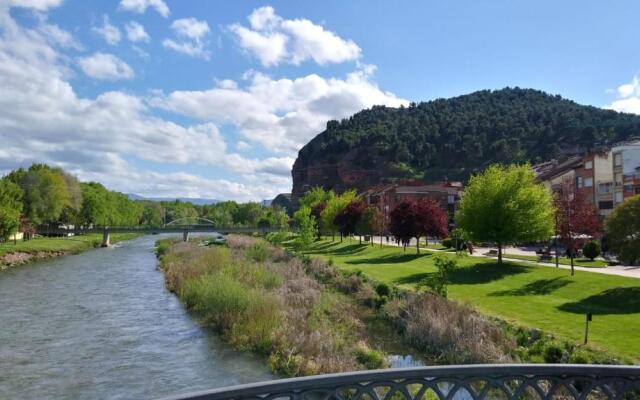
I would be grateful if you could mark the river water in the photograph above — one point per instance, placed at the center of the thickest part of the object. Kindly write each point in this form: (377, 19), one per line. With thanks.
(102, 325)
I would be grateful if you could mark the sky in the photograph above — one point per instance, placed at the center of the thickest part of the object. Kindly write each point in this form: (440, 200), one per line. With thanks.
(213, 99)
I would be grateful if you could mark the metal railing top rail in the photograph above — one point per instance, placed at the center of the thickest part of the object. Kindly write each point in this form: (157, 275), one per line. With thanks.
(464, 382)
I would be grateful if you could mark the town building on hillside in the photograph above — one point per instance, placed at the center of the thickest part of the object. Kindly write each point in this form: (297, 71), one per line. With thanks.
(592, 174)
(387, 196)
(626, 171)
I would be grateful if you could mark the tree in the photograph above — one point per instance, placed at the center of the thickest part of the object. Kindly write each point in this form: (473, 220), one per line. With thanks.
(591, 250)
(576, 218)
(316, 211)
(315, 196)
(348, 218)
(334, 206)
(504, 204)
(370, 222)
(623, 230)
(430, 220)
(401, 221)
(306, 227)
(10, 208)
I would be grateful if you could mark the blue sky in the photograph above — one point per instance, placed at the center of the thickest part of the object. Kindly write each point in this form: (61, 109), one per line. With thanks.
(213, 99)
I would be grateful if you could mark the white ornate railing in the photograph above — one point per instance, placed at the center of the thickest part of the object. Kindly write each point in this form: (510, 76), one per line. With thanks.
(517, 381)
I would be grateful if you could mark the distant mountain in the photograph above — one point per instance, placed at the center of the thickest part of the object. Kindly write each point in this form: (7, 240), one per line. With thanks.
(193, 200)
(453, 138)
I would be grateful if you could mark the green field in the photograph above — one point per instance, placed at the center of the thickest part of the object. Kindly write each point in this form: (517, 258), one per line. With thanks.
(73, 244)
(526, 295)
(578, 262)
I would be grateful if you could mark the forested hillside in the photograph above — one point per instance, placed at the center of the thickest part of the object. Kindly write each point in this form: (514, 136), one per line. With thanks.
(451, 138)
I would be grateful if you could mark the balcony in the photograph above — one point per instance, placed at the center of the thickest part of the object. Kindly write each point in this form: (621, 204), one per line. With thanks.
(466, 382)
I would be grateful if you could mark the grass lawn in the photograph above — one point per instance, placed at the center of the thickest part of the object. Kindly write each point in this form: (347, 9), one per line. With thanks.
(578, 262)
(73, 244)
(526, 295)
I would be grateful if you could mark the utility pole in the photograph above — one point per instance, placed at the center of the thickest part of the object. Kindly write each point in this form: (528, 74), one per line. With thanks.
(588, 319)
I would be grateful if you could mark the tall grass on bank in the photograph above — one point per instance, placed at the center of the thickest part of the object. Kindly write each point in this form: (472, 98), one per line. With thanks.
(260, 299)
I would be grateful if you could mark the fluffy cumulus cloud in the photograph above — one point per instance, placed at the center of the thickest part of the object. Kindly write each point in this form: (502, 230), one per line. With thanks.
(136, 32)
(140, 6)
(190, 34)
(628, 97)
(274, 40)
(109, 32)
(281, 114)
(43, 119)
(105, 67)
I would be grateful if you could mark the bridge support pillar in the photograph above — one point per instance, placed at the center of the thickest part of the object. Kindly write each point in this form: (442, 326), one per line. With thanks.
(106, 239)
(185, 236)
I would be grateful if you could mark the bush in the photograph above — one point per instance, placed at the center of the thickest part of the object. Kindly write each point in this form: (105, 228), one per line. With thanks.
(591, 250)
(437, 282)
(382, 289)
(447, 242)
(553, 352)
(258, 252)
(371, 359)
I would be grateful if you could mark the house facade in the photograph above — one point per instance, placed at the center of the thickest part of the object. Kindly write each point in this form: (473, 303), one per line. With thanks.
(626, 171)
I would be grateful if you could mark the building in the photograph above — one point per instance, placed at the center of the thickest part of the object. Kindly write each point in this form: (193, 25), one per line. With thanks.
(592, 173)
(626, 171)
(387, 196)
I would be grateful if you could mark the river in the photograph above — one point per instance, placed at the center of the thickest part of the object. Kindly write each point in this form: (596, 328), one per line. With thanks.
(102, 325)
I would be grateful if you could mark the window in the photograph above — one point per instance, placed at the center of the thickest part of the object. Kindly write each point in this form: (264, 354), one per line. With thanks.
(618, 197)
(588, 165)
(588, 182)
(451, 199)
(579, 181)
(617, 159)
(617, 178)
(605, 205)
(604, 188)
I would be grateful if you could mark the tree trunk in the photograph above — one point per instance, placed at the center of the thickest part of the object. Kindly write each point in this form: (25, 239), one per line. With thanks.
(418, 244)
(340, 237)
(572, 271)
(499, 253)
(360, 239)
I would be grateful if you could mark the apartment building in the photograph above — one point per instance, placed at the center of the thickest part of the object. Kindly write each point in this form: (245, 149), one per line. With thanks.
(626, 171)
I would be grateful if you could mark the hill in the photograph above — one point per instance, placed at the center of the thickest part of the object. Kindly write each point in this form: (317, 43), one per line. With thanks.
(452, 138)
(193, 200)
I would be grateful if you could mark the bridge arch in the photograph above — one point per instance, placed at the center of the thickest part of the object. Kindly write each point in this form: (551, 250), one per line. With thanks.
(188, 218)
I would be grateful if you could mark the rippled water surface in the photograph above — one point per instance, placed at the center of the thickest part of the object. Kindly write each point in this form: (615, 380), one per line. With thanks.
(101, 325)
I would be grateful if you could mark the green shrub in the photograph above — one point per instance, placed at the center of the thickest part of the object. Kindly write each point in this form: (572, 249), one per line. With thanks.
(259, 252)
(162, 247)
(591, 250)
(553, 352)
(278, 238)
(580, 356)
(447, 242)
(382, 289)
(371, 359)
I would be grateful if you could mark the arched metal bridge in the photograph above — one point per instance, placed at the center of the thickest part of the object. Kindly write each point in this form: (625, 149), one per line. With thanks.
(467, 382)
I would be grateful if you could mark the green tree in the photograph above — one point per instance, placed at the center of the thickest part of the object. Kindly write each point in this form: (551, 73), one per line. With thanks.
(46, 194)
(623, 230)
(333, 207)
(306, 227)
(10, 208)
(503, 205)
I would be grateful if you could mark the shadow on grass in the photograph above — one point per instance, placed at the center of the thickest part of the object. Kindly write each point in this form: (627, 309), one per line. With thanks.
(390, 259)
(477, 274)
(323, 247)
(621, 300)
(345, 250)
(539, 287)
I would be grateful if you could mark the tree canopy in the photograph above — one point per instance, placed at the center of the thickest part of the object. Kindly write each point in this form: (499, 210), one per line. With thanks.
(503, 205)
(623, 230)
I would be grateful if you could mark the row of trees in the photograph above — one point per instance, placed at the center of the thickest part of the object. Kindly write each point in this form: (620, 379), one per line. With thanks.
(47, 195)
(502, 205)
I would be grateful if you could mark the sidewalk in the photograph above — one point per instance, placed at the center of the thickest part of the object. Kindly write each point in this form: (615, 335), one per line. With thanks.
(619, 270)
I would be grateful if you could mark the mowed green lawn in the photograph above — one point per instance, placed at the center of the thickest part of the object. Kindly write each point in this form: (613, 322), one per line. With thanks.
(530, 296)
(73, 244)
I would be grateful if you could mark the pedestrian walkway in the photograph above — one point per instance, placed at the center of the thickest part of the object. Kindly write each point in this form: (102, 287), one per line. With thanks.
(619, 270)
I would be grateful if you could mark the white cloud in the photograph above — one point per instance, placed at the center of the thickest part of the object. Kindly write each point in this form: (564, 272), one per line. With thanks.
(140, 6)
(274, 40)
(190, 28)
(136, 32)
(629, 97)
(284, 114)
(191, 33)
(59, 37)
(105, 67)
(40, 5)
(189, 48)
(42, 119)
(110, 33)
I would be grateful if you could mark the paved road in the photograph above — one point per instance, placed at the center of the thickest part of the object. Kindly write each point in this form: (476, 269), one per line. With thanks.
(620, 270)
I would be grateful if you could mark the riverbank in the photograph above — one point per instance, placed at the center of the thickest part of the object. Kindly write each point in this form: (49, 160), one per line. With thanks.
(40, 248)
(523, 295)
(307, 316)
